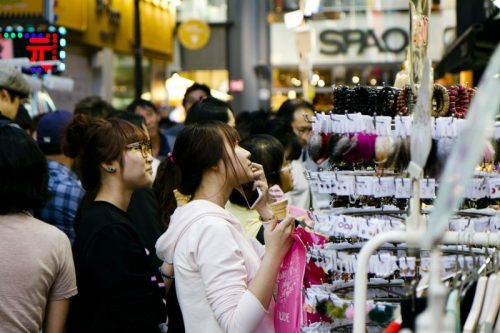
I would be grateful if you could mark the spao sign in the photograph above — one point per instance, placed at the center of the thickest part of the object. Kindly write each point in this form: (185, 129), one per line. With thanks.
(334, 42)
(358, 39)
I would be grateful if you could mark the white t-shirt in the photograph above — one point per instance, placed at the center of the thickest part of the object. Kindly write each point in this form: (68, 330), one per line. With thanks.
(37, 267)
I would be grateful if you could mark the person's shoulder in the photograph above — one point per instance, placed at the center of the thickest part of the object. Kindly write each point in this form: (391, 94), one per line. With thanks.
(45, 231)
(214, 227)
(100, 213)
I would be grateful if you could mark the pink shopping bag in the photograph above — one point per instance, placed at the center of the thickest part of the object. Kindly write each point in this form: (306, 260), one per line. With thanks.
(288, 312)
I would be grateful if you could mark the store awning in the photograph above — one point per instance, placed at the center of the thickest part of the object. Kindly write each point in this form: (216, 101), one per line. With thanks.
(472, 50)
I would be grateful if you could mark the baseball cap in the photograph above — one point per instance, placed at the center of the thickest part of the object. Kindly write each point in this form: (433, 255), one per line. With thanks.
(50, 131)
(11, 79)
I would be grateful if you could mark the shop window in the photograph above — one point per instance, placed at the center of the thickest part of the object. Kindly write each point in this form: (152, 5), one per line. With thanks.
(325, 6)
(210, 11)
(123, 80)
(287, 82)
(216, 79)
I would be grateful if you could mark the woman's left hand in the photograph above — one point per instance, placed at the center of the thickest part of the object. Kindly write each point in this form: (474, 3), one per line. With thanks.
(260, 181)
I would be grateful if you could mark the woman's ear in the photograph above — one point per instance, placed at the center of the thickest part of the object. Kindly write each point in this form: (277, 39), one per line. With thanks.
(217, 167)
(109, 167)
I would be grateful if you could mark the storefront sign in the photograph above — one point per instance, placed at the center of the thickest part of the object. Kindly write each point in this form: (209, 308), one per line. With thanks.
(236, 85)
(43, 47)
(193, 34)
(103, 7)
(335, 42)
(359, 39)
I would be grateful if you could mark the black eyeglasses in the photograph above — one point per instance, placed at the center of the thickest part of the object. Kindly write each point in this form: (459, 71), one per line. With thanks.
(143, 146)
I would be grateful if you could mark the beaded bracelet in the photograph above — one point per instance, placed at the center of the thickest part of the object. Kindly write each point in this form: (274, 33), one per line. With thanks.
(372, 100)
(386, 102)
(441, 101)
(360, 100)
(340, 99)
(459, 101)
(404, 100)
(472, 92)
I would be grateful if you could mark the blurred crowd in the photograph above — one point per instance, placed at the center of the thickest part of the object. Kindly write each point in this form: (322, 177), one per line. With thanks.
(98, 209)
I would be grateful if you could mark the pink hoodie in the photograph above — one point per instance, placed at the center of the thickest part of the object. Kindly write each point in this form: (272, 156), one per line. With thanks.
(213, 264)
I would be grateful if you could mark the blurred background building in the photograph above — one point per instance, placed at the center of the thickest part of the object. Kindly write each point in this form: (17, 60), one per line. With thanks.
(246, 51)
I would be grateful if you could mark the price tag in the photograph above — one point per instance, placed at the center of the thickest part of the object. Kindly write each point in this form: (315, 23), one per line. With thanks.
(346, 226)
(402, 126)
(368, 124)
(314, 185)
(427, 188)
(345, 185)
(403, 188)
(364, 185)
(494, 187)
(383, 125)
(383, 187)
(478, 188)
(324, 186)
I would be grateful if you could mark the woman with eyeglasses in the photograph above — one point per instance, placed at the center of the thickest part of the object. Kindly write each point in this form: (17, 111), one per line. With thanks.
(119, 285)
(268, 152)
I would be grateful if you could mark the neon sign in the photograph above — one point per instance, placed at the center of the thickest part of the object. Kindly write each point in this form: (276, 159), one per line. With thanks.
(43, 47)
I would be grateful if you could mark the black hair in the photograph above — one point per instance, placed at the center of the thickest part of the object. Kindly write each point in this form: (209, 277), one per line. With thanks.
(92, 141)
(141, 103)
(209, 108)
(198, 147)
(288, 108)
(195, 86)
(267, 151)
(281, 129)
(134, 118)
(13, 93)
(93, 106)
(23, 171)
(249, 123)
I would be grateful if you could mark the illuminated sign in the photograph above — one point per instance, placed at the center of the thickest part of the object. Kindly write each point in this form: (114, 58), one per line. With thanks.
(43, 47)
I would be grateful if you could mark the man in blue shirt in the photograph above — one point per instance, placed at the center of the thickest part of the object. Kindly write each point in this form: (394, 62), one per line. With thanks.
(64, 186)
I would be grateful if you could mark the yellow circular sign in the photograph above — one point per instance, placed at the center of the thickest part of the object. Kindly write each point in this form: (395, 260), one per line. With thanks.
(193, 34)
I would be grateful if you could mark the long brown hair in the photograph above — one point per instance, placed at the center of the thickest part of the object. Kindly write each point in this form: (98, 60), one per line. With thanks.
(92, 141)
(197, 148)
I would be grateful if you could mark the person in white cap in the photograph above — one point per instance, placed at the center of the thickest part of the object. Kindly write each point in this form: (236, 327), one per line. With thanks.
(13, 88)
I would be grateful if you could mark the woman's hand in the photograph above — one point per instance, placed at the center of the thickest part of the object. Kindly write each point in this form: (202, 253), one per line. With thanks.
(260, 181)
(278, 237)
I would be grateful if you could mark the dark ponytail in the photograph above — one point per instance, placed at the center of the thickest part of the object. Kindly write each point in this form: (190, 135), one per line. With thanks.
(167, 179)
(198, 147)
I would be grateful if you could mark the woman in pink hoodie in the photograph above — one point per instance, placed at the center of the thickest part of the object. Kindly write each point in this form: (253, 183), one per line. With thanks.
(224, 280)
